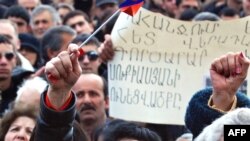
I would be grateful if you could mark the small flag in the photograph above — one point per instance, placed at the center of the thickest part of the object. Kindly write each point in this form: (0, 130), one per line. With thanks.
(131, 6)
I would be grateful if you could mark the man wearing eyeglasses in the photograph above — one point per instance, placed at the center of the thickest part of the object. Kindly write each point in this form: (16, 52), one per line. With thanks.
(10, 31)
(9, 79)
(90, 62)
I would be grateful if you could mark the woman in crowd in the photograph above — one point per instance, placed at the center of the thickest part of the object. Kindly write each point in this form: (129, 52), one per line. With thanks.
(18, 123)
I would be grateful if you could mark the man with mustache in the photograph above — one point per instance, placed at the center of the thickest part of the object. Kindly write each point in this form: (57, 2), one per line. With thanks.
(92, 101)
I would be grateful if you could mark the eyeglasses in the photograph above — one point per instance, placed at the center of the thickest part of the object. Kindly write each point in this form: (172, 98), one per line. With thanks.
(8, 55)
(81, 23)
(92, 56)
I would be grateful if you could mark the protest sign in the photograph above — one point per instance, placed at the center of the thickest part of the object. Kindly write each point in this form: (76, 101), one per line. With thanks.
(161, 62)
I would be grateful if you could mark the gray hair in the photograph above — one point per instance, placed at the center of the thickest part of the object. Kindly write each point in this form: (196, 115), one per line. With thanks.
(206, 16)
(65, 5)
(36, 83)
(213, 132)
(41, 8)
(52, 39)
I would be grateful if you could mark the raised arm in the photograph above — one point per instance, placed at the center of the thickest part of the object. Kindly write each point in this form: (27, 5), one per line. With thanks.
(227, 73)
(56, 121)
(62, 73)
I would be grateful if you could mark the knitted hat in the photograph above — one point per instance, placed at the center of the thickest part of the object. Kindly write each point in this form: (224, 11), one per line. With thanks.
(30, 42)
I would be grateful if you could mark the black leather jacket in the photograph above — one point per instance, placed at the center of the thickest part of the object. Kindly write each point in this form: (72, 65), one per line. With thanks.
(57, 126)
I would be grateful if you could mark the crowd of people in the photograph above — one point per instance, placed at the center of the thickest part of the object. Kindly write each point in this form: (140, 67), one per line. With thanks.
(50, 92)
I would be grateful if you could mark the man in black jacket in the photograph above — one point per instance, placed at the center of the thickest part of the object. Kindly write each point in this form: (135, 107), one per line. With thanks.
(57, 114)
(10, 75)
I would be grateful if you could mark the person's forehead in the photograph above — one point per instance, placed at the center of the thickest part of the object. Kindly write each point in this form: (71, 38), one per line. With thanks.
(189, 2)
(24, 120)
(29, 2)
(17, 19)
(8, 28)
(90, 79)
(90, 47)
(6, 47)
(76, 19)
(63, 9)
(88, 82)
(43, 15)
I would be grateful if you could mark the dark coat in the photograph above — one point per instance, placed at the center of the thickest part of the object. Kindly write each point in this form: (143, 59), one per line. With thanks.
(9, 95)
(199, 114)
(57, 126)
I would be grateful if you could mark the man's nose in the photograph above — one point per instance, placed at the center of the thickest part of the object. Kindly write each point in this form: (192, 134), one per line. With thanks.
(87, 98)
(86, 59)
(78, 29)
(40, 24)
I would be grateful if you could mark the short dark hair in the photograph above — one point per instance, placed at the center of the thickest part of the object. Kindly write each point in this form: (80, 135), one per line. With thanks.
(3, 9)
(119, 129)
(75, 13)
(228, 12)
(10, 116)
(19, 12)
(82, 37)
(52, 39)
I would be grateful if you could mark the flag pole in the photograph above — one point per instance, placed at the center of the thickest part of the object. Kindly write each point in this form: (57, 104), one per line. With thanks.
(99, 28)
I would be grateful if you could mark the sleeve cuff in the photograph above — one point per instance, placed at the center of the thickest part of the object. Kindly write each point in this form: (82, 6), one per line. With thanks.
(63, 107)
(210, 105)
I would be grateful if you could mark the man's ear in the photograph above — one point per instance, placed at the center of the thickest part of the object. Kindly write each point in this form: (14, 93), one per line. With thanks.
(18, 44)
(51, 53)
(106, 103)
